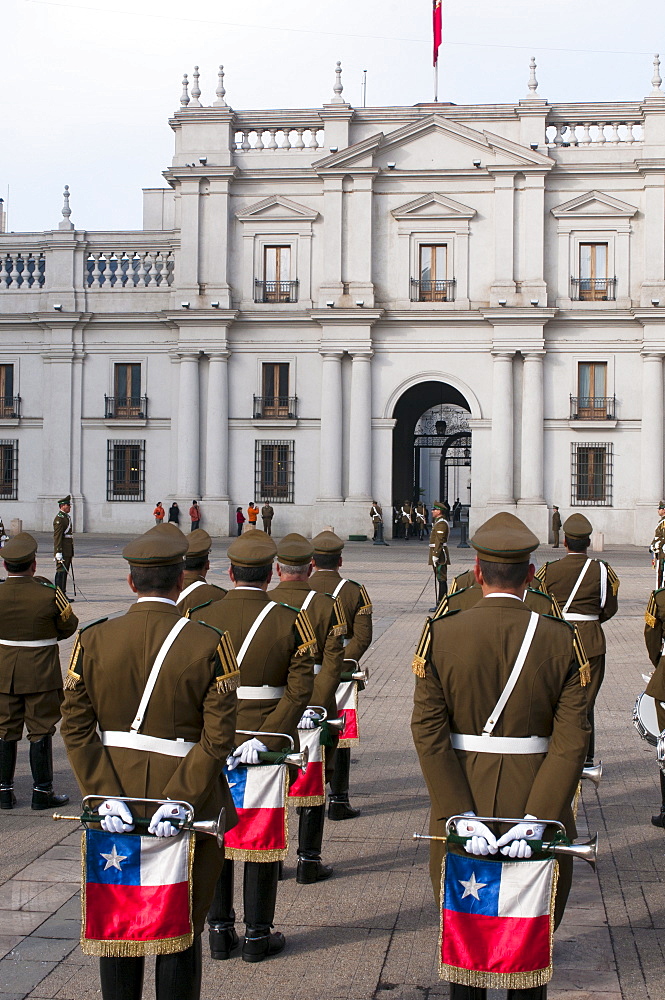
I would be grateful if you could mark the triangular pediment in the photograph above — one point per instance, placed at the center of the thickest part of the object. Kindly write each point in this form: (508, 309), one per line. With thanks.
(594, 204)
(434, 206)
(277, 209)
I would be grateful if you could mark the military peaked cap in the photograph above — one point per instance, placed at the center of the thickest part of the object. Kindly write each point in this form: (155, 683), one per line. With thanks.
(254, 548)
(295, 550)
(21, 548)
(577, 526)
(199, 543)
(504, 539)
(168, 528)
(154, 548)
(67, 499)
(439, 505)
(327, 542)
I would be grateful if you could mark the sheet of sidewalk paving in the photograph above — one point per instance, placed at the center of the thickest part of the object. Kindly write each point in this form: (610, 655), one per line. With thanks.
(371, 931)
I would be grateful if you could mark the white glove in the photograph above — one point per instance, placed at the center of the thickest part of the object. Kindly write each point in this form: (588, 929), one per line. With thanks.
(309, 719)
(435, 560)
(161, 824)
(514, 844)
(482, 840)
(58, 557)
(116, 816)
(246, 753)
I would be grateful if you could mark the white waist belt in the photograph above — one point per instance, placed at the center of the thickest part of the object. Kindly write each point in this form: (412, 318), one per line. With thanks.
(265, 692)
(500, 744)
(580, 618)
(29, 643)
(148, 744)
(317, 668)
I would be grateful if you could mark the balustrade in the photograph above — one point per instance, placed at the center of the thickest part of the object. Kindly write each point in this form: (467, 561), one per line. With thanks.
(129, 269)
(22, 270)
(594, 133)
(298, 138)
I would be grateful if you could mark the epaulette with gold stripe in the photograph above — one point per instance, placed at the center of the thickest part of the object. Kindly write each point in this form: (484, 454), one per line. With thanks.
(366, 606)
(650, 615)
(63, 605)
(612, 579)
(582, 659)
(422, 650)
(228, 677)
(453, 587)
(340, 627)
(303, 626)
(541, 574)
(442, 606)
(73, 675)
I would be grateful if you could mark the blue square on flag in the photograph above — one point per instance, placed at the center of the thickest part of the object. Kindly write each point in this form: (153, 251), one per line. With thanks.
(473, 885)
(113, 858)
(237, 779)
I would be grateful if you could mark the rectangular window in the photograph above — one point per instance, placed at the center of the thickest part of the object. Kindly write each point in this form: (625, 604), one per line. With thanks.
(275, 471)
(8, 404)
(594, 282)
(127, 390)
(591, 475)
(125, 471)
(277, 284)
(9, 470)
(275, 389)
(592, 398)
(432, 283)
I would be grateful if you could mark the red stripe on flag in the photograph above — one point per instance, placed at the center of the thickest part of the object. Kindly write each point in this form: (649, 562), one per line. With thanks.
(136, 912)
(495, 944)
(311, 782)
(257, 830)
(437, 27)
(349, 730)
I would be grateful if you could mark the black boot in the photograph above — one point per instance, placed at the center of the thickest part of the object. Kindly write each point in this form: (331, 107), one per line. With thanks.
(338, 806)
(41, 765)
(458, 992)
(221, 917)
(61, 580)
(8, 749)
(260, 892)
(592, 742)
(535, 993)
(121, 978)
(310, 838)
(178, 976)
(659, 819)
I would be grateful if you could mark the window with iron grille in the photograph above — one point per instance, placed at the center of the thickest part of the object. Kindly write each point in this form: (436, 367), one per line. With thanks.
(274, 471)
(125, 471)
(592, 475)
(9, 470)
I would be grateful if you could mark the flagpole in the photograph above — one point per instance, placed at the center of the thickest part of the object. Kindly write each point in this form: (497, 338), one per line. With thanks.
(436, 81)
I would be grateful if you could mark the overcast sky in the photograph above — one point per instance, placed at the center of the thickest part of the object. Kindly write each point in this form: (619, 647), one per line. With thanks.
(89, 85)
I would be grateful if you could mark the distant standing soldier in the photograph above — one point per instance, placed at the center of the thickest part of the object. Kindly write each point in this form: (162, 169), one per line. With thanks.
(34, 616)
(654, 633)
(405, 516)
(439, 559)
(195, 515)
(421, 520)
(376, 515)
(657, 547)
(556, 527)
(196, 591)
(63, 542)
(267, 514)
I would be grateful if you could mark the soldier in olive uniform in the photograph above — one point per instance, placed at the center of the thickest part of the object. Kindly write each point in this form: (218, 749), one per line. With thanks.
(421, 515)
(63, 542)
(187, 728)
(556, 527)
(586, 590)
(657, 547)
(654, 633)
(276, 681)
(34, 616)
(267, 514)
(196, 590)
(294, 567)
(470, 658)
(358, 615)
(406, 516)
(439, 559)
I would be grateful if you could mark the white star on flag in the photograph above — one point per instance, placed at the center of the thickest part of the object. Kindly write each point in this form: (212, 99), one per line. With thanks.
(113, 859)
(471, 887)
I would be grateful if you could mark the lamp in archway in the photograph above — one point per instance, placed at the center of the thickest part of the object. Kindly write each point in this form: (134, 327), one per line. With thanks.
(440, 428)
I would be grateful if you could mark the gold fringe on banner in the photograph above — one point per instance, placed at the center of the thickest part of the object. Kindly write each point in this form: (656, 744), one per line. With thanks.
(499, 980)
(310, 800)
(576, 800)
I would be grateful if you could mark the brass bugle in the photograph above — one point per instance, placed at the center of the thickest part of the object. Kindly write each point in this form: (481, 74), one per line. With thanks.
(336, 723)
(212, 827)
(585, 850)
(359, 674)
(593, 773)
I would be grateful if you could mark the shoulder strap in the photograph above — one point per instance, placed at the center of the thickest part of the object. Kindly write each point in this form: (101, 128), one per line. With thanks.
(253, 630)
(154, 673)
(308, 600)
(565, 608)
(338, 588)
(603, 583)
(188, 590)
(514, 675)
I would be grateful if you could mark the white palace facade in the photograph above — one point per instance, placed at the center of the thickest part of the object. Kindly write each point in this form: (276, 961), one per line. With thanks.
(340, 304)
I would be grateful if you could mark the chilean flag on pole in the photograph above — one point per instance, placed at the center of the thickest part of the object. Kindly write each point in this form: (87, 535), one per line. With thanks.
(497, 922)
(136, 894)
(259, 795)
(347, 708)
(309, 788)
(437, 28)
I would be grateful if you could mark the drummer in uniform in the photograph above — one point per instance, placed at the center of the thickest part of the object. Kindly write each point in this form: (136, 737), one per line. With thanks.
(586, 590)
(530, 762)
(186, 731)
(196, 590)
(294, 567)
(657, 547)
(276, 682)
(654, 633)
(63, 542)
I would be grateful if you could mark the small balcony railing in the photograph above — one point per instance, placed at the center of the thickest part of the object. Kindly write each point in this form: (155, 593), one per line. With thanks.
(593, 289)
(275, 291)
(426, 290)
(593, 407)
(10, 407)
(275, 407)
(126, 407)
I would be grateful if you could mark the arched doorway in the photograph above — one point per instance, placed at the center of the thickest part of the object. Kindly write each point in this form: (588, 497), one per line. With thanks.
(431, 444)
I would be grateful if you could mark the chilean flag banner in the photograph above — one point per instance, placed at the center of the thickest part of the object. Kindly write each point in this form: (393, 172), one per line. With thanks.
(437, 29)
(497, 922)
(259, 795)
(309, 788)
(347, 706)
(136, 897)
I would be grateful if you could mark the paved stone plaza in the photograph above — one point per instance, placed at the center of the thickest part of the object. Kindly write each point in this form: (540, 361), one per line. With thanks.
(371, 931)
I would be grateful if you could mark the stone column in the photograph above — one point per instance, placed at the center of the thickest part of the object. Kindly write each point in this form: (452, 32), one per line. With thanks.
(502, 480)
(217, 438)
(651, 436)
(188, 427)
(360, 428)
(532, 430)
(330, 469)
